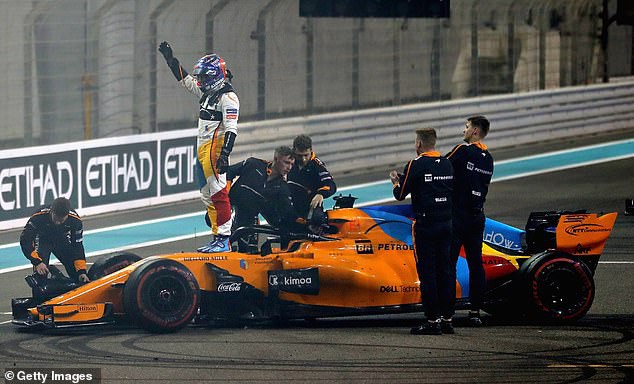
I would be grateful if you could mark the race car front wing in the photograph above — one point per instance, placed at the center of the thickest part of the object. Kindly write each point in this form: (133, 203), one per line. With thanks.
(27, 313)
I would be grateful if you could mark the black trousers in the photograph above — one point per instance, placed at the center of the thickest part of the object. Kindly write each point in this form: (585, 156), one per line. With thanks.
(432, 241)
(468, 228)
(64, 253)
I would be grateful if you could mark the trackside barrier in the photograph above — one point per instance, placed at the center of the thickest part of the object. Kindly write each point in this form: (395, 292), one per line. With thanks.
(353, 142)
(119, 173)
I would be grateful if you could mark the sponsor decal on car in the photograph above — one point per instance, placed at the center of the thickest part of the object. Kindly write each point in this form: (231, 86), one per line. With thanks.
(581, 250)
(305, 281)
(229, 287)
(201, 258)
(88, 308)
(395, 247)
(363, 247)
(574, 230)
(399, 288)
(498, 238)
(574, 218)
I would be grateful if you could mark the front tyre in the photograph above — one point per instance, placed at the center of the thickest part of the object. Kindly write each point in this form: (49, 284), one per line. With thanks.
(111, 264)
(161, 296)
(560, 289)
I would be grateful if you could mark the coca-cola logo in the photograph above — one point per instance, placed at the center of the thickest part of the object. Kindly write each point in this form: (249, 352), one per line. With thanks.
(229, 287)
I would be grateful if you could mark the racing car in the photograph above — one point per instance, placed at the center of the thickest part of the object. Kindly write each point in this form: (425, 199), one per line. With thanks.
(361, 264)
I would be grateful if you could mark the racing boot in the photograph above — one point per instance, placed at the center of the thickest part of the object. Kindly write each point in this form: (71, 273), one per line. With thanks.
(474, 319)
(430, 327)
(206, 246)
(220, 244)
(446, 326)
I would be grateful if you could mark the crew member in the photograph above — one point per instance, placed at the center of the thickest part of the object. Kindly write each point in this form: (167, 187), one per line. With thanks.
(309, 180)
(429, 178)
(473, 168)
(261, 188)
(217, 130)
(55, 229)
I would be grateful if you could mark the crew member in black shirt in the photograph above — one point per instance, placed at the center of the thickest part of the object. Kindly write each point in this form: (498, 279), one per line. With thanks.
(55, 229)
(473, 168)
(261, 188)
(429, 178)
(309, 180)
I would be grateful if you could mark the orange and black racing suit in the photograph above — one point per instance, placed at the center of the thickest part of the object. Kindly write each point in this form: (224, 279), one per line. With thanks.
(40, 237)
(473, 169)
(305, 182)
(429, 178)
(255, 192)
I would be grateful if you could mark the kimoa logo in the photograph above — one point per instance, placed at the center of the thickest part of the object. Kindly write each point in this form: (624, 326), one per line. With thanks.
(585, 228)
(277, 280)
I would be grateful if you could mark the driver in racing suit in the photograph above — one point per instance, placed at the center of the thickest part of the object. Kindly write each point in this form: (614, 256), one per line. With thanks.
(217, 131)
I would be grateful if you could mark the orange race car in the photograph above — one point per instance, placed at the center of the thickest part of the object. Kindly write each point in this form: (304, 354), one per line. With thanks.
(364, 265)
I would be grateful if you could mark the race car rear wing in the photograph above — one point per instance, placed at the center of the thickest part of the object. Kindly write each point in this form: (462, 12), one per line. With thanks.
(577, 233)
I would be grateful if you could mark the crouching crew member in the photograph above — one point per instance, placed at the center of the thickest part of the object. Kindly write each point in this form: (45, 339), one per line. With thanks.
(55, 229)
(429, 178)
(309, 180)
(261, 188)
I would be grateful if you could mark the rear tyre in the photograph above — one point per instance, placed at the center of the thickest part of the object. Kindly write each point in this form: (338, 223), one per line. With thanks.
(560, 289)
(111, 264)
(161, 295)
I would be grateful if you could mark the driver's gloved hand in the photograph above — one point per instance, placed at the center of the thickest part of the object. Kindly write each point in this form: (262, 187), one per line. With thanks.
(166, 51)
(222, 163)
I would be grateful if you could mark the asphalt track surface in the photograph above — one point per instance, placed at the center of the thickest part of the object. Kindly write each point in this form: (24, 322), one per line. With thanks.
(599, 348)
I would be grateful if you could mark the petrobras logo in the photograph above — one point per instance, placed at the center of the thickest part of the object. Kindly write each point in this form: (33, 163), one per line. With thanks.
(470, 166)
(395, 247)
(428, 177)
(229, 287)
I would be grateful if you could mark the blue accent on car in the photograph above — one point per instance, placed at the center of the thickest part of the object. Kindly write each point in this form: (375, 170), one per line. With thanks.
(401, 232)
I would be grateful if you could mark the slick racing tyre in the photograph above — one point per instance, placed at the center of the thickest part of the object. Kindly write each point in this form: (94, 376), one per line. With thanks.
(161, 296)
(560, 289)
(111, 263)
